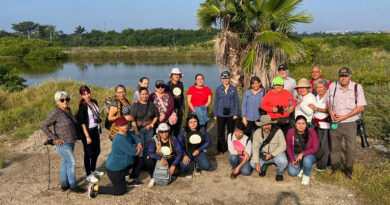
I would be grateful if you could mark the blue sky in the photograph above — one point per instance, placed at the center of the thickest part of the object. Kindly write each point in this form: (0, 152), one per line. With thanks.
(140, 14)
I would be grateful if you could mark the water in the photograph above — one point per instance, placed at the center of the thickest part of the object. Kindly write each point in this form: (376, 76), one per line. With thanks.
(112, 74)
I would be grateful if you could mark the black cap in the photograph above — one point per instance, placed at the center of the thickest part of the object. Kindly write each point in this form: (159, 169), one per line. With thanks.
(344, 71)
(225, 75)
(283, 67)
(159, 83)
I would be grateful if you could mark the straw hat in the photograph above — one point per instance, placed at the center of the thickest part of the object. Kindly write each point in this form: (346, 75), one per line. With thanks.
(303, 83)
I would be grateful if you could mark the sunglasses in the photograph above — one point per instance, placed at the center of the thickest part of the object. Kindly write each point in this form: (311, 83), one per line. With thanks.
(65, 99)
(165, 131)
(160, 86)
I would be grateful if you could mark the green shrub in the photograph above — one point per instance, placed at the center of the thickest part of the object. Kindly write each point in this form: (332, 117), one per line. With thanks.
(10, 80)
(48, 53)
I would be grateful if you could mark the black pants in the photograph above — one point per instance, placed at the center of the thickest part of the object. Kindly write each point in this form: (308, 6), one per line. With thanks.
(175, 129)
(91, 151)
(136, 167)
(284, 124)
(250, 128)
(117, 179)
(323, 148)
(221, 123)
(151, 164)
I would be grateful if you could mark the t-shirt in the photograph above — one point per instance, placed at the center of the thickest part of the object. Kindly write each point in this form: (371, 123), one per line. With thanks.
(199, 95)
(143, 113)
(125, 110)
(167, 151)
(177, 93)
(299, 143)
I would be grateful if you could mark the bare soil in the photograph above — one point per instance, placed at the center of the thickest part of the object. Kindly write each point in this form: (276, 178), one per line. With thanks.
(25, 181)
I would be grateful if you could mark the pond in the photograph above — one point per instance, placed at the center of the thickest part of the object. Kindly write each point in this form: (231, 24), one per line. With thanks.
(109, 74)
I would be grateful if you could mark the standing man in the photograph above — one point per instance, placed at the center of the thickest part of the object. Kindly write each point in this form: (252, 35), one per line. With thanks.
(225, 109)
(289, 83)
(175, 87)
(345, 103)
(316, 74)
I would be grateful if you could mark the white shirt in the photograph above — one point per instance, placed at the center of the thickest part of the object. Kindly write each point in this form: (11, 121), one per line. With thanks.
(92, 123)
(304, 109)
(321, 103)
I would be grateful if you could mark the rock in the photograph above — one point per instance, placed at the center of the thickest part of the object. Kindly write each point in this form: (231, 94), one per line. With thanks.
(382, 148)
(350, 195)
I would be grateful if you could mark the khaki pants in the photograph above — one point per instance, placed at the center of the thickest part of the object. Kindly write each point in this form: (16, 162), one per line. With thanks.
(348, 132)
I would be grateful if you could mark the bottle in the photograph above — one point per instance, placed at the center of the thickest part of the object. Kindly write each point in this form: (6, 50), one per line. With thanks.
(290, 104)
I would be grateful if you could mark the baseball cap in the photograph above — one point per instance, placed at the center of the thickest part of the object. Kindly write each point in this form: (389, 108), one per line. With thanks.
(278, 81)
(121, 121)
(344, 71)
(283, 67)
(225, 75)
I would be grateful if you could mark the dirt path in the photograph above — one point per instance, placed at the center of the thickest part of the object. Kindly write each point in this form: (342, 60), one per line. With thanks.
(25, 181)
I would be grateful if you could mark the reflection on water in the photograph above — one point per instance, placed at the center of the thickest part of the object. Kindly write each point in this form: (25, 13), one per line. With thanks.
(111, 73)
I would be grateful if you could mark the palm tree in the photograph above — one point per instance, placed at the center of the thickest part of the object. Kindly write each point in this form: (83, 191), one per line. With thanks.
(256, 35)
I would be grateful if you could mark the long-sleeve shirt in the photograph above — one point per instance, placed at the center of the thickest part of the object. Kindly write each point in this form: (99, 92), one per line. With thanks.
(64, 126)
(244, 141)
(168, 104)
(304, 109)
(311, 145)
(177, 150)
(226, 100)
(123, 150)
(251, 104)
(290, 84)
(272, 99)
(275, 147)
(203, 147)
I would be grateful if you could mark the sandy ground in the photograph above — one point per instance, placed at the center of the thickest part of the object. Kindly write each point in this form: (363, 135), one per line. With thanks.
(25, 181)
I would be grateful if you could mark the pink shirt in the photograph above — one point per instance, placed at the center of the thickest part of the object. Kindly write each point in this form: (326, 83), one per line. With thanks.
(344, 100)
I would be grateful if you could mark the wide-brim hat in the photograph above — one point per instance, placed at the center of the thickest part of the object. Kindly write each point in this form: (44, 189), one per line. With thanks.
(265, 120)
(176, 71)
(303, 83)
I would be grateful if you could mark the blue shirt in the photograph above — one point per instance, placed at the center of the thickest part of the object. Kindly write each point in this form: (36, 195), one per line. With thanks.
(228, 100)
(251, 104)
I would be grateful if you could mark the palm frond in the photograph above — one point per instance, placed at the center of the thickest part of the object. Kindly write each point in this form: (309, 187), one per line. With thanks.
(269, 38)
(249, 61)
(207, 16)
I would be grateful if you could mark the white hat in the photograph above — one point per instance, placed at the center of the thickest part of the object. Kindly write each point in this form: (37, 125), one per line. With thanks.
(176, 71)
(162, 127)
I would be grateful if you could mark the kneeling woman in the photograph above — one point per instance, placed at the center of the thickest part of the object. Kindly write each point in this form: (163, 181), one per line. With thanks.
(165, 149)
(194, 142)
(302, 143)
(125, 147)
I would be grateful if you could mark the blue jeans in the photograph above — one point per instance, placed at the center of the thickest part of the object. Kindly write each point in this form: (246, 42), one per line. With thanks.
(280, 161)
(307, 162)
(235, 160)
(201, 160)
(146, 135)
(68, 164)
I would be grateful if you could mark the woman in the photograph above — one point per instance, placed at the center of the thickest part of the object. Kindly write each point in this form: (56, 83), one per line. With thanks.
(175, 87)
(321, 122)
(251, 102)
(119, 107)
(143, 83)
(163, 101)
(194, 142)
(305, 98)
(88, 120)
(145, 116)
(199, 99)
(64, 138)
(125, 147)
(302, 144)
(166, 149)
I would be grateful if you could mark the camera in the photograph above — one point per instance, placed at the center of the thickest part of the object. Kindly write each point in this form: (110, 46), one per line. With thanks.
(280, 109)
(262, 112)
(98, 120)
(48, 142)
(226, 111)
(264, 157)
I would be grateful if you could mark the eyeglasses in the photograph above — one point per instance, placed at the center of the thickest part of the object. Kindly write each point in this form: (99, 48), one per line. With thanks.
(163, 131)
(65, 99)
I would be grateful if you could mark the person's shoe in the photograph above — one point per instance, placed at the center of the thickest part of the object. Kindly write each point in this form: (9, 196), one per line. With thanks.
(188, 175)
(262, 173)
(279, 178)
(98, 173)
(197, 172)
(300, 173)
(305, 180)
(348, 173)
(77, 190)
(92, 178)
(233, 176)
(320, 170)
(91, 192)
(151, 183)
(133, 183)
(65, 188)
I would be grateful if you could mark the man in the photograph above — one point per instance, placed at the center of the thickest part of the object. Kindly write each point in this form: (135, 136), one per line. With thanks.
(289, 83)
(225, 109)
(268, 148)
(315, 75)
(240, 151)
(175, 87)
(345, 103)
(279, 103)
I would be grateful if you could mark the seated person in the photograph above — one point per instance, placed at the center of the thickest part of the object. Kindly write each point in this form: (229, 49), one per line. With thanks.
(302, 144)
(268, 147)
(125, 147)
(166, 149)
(194, 142)
(240, 147)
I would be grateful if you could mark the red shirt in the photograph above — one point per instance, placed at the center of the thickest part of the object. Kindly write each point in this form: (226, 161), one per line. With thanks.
(199, 95)
(272, 99)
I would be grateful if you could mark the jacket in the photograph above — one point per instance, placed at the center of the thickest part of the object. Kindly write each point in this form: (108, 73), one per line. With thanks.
(226, 100)
(311, 145)
(275, 147)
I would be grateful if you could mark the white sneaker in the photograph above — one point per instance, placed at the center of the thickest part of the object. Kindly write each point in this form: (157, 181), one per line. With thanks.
(92, 178)
(97, 173)
(305, 180)
(151, 183)
(300, 173)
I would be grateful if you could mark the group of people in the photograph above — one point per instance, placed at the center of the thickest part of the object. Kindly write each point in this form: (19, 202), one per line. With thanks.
(292, 125)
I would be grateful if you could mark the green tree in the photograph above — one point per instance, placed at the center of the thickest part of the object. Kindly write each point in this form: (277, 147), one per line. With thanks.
(25, 27)
(256, 35)
(10, 80)
(46, 32)
(78, 32)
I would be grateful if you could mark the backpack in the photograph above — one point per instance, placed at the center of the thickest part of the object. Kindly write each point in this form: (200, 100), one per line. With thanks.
(161, 173)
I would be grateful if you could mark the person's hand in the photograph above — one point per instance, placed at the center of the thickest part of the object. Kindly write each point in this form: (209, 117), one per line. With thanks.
(245, 121)
(299, 100)
(299, 158)
(163, 161)
(311, 106)
(195, 153)
(215, 118)
(186, 160)
(258, 167)
(294, 164)
(148, 127)
(128, 117)
(172, 169)
(332, 115)
(235, 117)
(58, 142)
(339, 118)
(267, 156)
(236, 170)
(274, 109)
(161, 118)
(89, 141)
(139, 149)
(137, 133)
(289, 110)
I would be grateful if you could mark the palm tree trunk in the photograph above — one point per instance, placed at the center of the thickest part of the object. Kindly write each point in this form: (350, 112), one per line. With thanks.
(237, 77)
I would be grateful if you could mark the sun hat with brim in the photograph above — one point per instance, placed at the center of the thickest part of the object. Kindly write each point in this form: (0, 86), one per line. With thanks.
(265, 120)
(278, 81)
(121, 121)
(303, 83)
(162, 127)
(177, 72)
